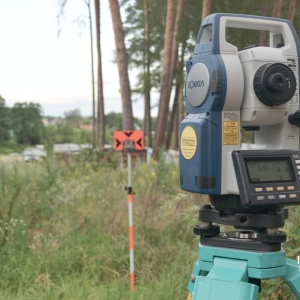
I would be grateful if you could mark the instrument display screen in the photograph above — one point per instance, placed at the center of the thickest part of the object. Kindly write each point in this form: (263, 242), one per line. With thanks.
(269, 169)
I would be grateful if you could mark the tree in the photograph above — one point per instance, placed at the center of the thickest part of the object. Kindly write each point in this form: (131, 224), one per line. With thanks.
(277, 8)
(4, 121)
(88, 3)
(166, 78)
(206, 8)
(144, 28)
(27, 123)
(263, 35)
(147, 82)
(122, 65)
(174, 62)
(101, 117)
(73, 117)
(292, 9)
(100, 110)
(114, 121)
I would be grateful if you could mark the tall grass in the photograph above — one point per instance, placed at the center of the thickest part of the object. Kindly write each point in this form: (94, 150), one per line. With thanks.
(63, 231)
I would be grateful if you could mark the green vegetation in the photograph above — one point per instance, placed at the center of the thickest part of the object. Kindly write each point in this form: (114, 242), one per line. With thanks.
(23, 122)
(63, 231)
(23, 125)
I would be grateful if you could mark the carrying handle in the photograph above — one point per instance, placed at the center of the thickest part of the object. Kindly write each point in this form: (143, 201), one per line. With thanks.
(213, 31)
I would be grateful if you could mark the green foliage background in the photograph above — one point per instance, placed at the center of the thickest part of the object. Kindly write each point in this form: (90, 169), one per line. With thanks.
(134, 26)
(63, 231)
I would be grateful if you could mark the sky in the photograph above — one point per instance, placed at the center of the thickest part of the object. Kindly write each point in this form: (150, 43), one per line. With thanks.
(37, 65)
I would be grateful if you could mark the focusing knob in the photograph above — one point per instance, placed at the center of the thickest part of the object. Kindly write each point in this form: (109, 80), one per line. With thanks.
(294, 118)
(279, 237)
(274, 84)
(210, 231)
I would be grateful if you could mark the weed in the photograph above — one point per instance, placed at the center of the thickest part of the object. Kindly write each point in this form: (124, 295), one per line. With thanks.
(63, 228)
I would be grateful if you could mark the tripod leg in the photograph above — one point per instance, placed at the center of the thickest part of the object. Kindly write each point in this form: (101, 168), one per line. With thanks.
(227, 280)
(292, 276)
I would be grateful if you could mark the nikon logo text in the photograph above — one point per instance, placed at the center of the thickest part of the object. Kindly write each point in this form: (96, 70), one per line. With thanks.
(194, 84)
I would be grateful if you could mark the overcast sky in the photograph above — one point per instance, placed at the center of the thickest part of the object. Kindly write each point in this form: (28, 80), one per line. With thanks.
(38, 66)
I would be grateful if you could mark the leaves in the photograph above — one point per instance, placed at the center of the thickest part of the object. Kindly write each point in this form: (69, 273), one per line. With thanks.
(27, 123)
(4, 121)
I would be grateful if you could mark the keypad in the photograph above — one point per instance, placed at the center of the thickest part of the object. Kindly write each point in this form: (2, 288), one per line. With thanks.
(281, 196)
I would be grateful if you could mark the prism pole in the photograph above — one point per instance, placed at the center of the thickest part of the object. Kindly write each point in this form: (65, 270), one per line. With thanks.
(130, 230)
(129, 141)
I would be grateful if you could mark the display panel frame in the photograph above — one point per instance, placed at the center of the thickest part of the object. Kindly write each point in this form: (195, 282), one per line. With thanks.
(270, 193)
(262, 163)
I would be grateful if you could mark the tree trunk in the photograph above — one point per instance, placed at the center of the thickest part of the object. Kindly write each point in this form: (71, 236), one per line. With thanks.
(178, 116)
(101, 116)
(263, 35)
(175, 41)
(180, 80)
(172, 117)
(277, 8)
(147, 84)
(206, 8)
(170, 124)
(292, 8)
(88, 3)
(166, 78)
(127, 119)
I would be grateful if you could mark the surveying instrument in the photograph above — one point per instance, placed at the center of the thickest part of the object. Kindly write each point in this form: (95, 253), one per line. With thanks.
(227, 90)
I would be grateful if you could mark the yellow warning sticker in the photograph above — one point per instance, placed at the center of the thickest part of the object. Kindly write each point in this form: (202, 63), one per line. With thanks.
(231, 133)
(188, 142)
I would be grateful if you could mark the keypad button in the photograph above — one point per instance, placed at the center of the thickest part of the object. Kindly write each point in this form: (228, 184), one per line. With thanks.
(258, 190)
(282, 196)
(293, 196)
(280, 188)
(290, 187)
(269, 189)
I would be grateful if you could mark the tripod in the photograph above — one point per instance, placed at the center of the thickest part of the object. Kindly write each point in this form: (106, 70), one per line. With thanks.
(231, 265)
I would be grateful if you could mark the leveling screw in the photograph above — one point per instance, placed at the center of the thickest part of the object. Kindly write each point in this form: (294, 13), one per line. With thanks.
(193, 278)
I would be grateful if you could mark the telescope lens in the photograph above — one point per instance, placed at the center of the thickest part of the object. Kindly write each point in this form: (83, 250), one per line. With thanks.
(274, 84)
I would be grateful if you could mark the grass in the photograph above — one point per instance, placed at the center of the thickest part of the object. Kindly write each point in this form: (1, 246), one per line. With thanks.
(63, 232)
